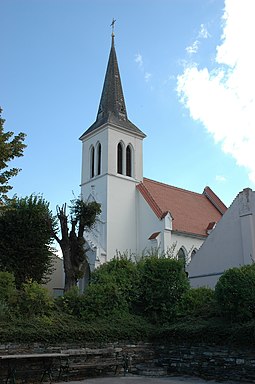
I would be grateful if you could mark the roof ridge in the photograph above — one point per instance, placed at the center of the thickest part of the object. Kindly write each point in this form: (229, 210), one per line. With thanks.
(214, 199)
(173, 187)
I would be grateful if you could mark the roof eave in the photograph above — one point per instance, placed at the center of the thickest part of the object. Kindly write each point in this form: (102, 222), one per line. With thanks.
(89, 132)
(189, 234)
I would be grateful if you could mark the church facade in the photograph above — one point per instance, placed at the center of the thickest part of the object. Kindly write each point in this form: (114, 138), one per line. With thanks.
(138, 214)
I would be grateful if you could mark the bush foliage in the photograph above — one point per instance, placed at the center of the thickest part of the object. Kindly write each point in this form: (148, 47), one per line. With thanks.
(235, 293)
(162, 283)
(198, 302)
(147, 300)
(34, 300)
(8, 291)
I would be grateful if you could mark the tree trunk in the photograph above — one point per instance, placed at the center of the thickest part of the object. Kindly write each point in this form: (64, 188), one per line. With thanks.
(70, 278)
(73, 248)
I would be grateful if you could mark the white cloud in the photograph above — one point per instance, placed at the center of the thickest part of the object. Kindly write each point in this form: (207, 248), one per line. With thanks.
(193, 48)
(139, 59)
(147, 76)
(203, 33)
(223, 99)
(220, 178)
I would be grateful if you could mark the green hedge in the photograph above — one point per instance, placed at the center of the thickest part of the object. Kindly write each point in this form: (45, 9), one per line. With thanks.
(62, 328)
(128, 328)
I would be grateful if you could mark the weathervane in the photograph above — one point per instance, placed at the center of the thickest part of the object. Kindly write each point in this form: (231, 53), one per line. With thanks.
(112, 25)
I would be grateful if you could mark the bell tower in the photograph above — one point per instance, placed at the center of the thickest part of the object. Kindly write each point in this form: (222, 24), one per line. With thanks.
(112, 166)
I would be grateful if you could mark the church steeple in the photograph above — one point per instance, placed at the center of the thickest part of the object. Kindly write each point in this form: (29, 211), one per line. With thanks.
(112, 108)
(112, 99)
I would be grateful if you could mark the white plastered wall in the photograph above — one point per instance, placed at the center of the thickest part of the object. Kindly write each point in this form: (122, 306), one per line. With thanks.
(121, 216)
(116, 193)
(148, 223)
(230, 244)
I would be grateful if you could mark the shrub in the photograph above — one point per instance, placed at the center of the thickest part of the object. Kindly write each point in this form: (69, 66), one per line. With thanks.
(102, 300)
(198, 302)
(118, 277)
(72, 302)
(8, 291)
(162, 283)
(5, 312)
(34, 299)
(235, 293)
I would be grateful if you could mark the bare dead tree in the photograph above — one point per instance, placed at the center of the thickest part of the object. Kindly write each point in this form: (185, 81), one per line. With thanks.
(72, 242)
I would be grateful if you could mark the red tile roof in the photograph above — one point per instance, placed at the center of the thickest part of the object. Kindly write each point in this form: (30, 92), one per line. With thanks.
(154, 236)
(215, 200)
(191, 211)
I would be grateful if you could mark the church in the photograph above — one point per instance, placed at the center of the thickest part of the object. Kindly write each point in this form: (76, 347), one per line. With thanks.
(138, 214)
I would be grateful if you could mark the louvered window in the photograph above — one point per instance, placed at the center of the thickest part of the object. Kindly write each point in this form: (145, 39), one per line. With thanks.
(99, 159)
(92, 162)
(128, 161)
(120, 159)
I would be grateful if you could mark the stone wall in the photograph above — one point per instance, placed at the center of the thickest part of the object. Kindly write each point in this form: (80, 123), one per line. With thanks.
(210, 362)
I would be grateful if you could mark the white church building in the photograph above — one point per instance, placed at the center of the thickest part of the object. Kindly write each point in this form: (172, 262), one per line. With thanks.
(138, 214)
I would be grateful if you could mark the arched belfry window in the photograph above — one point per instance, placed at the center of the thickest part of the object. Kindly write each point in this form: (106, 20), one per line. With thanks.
(92, 162)
(99, 150)
(120, 159)
(129, 161)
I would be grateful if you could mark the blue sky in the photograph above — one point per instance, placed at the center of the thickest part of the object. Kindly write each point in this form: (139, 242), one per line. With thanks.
(187, 72)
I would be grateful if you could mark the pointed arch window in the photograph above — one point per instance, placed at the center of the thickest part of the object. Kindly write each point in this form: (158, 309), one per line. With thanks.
(120, 159)
(181, 255)
(193, 252)
(99, 159)
(129, 161)
(92, 162)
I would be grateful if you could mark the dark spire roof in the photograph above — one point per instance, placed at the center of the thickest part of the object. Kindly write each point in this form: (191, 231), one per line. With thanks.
(112, 108)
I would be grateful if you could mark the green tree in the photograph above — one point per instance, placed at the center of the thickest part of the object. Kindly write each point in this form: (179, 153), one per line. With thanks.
(163, 282)
(9, 149)
(72, 242)
(25, 239)
(235, 293)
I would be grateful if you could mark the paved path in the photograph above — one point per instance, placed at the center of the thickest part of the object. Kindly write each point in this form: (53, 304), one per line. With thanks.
(133, 379)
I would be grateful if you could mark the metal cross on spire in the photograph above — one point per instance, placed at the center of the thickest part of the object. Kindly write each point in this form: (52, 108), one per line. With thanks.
(112, 25)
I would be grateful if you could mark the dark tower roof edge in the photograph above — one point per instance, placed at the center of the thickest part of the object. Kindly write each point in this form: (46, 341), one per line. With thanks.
(112, 108)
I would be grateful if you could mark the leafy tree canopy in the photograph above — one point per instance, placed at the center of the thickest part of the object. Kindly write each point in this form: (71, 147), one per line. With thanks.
(25, 239)
(10, 147)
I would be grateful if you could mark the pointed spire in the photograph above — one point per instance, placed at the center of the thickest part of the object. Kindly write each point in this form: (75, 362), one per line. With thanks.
(112, 108)
(112, 99)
